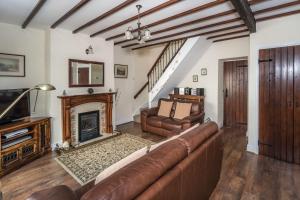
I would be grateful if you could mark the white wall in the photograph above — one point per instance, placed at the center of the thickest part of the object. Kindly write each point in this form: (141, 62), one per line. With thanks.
(274, 33)
(31, 43)
(125, 87)
(213, 82)
(143, 60)
(64, 45)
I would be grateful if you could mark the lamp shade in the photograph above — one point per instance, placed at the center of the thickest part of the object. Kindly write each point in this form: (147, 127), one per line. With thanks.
(147, 35)
(128, 34)
(45, 87)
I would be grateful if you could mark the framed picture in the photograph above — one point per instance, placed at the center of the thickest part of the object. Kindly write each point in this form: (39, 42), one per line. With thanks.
(121, 71)
(12, 65)
(195, 78)
(203, 71)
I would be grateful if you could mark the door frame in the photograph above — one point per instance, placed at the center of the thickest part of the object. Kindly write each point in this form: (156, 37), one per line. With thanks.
(221, 94)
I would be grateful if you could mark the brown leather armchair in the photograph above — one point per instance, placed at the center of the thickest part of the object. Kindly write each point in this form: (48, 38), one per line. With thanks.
(169, 126)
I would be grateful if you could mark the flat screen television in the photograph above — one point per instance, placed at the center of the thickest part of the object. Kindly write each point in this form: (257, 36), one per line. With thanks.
(19, 111)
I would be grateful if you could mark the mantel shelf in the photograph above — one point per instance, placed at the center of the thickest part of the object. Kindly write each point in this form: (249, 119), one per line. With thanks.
(80, 95)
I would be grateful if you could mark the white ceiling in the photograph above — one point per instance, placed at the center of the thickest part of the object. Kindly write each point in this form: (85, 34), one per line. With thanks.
(16, 11)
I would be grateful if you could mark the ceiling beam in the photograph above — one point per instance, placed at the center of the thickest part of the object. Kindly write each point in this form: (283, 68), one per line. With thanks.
(226, 34)
(278, 7)
(246, 14)
(173, 17)
(195, 35)
(231, 38)
(35, 10)
(104, 15)
(191, 30)
(253, 2)
(143, 14)
(70, 12)
(278, 15)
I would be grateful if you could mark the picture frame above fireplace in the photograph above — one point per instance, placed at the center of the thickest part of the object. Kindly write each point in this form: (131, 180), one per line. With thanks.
(84, 73)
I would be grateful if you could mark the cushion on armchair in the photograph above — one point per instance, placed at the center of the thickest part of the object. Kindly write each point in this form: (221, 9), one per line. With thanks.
(165, 108)
(182, 110)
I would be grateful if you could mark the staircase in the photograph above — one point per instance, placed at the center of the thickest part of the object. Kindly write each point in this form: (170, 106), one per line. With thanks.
(163, 62)
(165, 67)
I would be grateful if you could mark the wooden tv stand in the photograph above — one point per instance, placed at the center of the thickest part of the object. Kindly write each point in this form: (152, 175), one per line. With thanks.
(25, 147)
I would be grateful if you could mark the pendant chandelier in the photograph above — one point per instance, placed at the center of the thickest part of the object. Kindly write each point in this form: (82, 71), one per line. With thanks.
(143, 34)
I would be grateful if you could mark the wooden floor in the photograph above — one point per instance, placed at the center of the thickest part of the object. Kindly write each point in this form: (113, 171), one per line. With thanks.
(244, 175)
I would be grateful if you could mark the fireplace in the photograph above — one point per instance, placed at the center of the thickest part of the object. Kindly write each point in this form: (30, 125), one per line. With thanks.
(88, 126)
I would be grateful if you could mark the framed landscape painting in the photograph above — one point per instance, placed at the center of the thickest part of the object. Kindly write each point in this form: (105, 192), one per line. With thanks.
(121, 71)
(12, 65)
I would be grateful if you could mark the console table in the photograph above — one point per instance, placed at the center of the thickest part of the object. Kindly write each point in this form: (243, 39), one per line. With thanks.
(20, 149)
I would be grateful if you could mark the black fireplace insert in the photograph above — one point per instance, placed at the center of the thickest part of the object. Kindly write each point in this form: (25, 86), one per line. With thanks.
(88, 126)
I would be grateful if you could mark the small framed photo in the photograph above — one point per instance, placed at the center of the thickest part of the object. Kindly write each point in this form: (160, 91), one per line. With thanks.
(203, 71)
(12, 65)
(121, 71)
(195, 78)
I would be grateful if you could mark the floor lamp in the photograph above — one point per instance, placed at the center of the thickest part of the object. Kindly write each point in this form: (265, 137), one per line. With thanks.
(44, 87)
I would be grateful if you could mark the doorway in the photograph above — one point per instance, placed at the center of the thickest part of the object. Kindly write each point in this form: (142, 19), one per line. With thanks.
(235, 89)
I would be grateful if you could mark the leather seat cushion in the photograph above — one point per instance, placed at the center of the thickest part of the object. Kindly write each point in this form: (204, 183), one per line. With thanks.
(155, 121)
(171, 124)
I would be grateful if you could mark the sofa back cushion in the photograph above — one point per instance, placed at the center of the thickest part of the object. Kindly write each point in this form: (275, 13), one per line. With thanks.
(199, 135)
(120, 164)
(182, 110)
(133, 179)
(165, 108)
(154, 146)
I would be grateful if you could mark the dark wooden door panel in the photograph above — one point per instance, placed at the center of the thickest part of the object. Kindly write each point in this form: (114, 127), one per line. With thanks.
(297, 104)
(83, 76)
(290, 106)
(266, 142)
(279, 103)
(235, 92)
(283, 101)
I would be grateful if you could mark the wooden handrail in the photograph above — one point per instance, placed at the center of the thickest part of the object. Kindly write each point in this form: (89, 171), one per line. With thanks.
(141, 90)
(163, 51)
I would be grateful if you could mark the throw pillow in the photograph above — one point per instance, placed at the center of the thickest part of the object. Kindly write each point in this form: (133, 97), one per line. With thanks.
(165, 108)
(120, 164)
(182, 110)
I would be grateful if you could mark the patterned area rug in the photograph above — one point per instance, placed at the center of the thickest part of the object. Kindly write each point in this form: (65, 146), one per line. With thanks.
(84, 164)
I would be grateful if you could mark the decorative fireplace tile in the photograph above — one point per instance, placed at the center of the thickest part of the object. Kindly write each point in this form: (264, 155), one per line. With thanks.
(75, 111)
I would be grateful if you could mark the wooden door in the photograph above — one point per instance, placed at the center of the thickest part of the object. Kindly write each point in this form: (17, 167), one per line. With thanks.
(235, 92)
(297, 105)
(83, 76)
(279, 112)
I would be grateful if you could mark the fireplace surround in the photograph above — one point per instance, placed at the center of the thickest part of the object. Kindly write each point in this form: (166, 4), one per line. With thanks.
(71, 101)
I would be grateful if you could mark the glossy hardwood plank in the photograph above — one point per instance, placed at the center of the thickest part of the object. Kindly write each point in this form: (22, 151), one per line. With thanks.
(248, 176)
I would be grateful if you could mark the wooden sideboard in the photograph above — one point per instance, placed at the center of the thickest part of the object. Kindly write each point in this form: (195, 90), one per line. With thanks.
(188, 98)
(36, 144)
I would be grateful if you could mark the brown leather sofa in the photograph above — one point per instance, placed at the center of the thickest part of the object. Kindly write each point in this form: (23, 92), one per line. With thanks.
(168, 126)
(186, 168)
